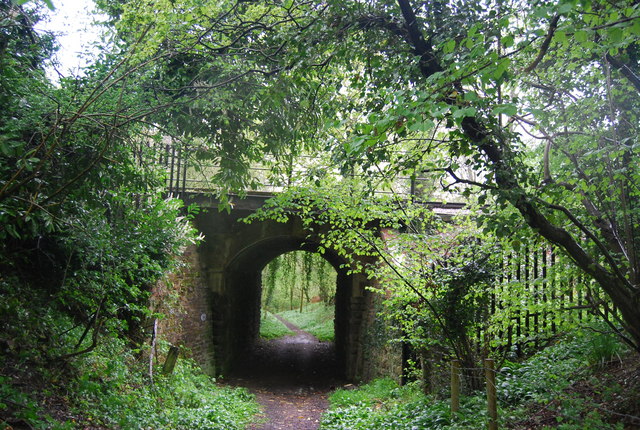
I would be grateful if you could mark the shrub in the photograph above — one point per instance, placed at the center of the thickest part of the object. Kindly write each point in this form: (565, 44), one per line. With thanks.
(113, 390)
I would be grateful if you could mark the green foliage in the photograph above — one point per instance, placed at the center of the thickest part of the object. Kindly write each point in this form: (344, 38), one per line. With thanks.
(85, 227)
(368, 395)
(383, 404)
(315, 318)
(602, 346)
(547, 378)
(449, 289)
(16, 405)
(49, 3)
(113, 390)
(271, 327)
(442, 304)
(291, 280)
(528, 108)
(110, 387)
(540, 381)
(541, 378)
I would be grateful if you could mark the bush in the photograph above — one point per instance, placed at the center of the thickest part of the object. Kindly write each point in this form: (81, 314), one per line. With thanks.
(544, 381)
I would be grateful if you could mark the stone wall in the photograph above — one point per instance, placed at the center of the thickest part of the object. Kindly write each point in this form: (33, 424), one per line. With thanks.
(381, 356)
(184, 299)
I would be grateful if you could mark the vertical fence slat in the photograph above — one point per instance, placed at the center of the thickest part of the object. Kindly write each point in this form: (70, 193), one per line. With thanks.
(171, 172)
(527, 289)
(554, 284)
(518, 311)
(455, 386)
(536, 293)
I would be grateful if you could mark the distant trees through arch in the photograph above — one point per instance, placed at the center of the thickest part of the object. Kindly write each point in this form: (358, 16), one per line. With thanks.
(294, 279)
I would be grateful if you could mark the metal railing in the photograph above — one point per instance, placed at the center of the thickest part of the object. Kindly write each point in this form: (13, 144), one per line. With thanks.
(184, 174)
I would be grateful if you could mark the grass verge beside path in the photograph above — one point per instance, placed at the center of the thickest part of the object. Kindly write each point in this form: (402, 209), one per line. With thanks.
(315, 318)
(109, 388)
(271, 327)
(579, 383)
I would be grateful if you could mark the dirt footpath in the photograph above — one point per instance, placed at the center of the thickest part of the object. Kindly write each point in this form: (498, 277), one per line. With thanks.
(291, 378)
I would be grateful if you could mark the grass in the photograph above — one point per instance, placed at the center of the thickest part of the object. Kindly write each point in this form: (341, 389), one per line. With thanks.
(271, 327)
(563, 386)
(315, 318)
(370, 395)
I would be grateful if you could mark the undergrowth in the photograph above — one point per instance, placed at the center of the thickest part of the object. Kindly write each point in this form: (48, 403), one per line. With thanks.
(110, 389)
(315, 318)
(549, 382)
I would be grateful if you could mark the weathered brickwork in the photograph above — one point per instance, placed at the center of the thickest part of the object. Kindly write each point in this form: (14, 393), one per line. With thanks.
(183, 298)
(382, 357)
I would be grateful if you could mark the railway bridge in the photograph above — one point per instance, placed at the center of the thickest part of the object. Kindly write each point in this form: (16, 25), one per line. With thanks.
(220, 289)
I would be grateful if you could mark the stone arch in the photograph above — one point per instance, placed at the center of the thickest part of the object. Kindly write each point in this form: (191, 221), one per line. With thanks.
(225, 272)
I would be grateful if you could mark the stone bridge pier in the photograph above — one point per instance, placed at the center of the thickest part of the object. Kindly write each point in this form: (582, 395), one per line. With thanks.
(222, 303)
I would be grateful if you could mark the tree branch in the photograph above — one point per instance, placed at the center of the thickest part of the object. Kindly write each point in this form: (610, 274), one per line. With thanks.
(428, 62)
(493, 145)
(625, 70)
(553, 25)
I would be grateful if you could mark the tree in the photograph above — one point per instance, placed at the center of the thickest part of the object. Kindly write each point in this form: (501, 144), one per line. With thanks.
(84, 226)
(596, 233)
(293, 279)
(539, 100)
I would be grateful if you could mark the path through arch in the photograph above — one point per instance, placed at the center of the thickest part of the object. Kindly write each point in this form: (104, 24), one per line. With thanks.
(291, 378)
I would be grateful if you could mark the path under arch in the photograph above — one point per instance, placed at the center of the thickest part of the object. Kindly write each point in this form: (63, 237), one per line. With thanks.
(291, 378)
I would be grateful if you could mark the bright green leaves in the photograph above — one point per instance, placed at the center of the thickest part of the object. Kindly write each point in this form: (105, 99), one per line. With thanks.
(507, 41)
(449, 46)
(590, 24)
(615, 34)
(422, 126)
(560, 36)
(459, 113)
(634, 28)
(509, 110)
(581, 36)
(565, 7)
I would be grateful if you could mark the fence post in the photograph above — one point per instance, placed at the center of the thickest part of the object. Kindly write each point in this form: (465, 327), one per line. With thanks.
(455, 386)
(170, 361)
(492, 402)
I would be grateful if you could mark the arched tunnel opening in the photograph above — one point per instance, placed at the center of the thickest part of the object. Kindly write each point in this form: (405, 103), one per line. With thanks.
(246, 355)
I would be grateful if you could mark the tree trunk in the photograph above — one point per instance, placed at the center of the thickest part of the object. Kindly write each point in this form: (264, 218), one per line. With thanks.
(492, 144)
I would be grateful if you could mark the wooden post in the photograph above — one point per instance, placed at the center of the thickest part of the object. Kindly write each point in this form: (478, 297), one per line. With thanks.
(455, 386)
(170, 361)
(152, 349)
(492, 401)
